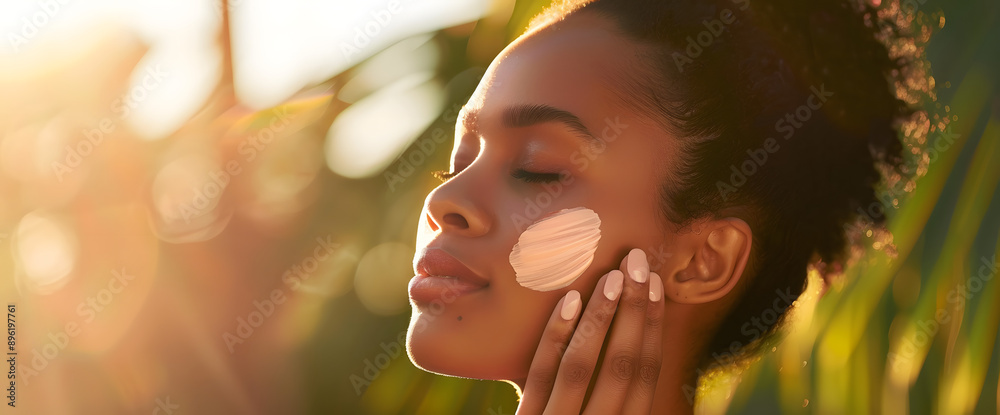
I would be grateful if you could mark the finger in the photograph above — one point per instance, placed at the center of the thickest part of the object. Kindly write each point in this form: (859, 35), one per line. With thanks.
(625, 342)
(643, 388)
(545, 363)
(580, 359)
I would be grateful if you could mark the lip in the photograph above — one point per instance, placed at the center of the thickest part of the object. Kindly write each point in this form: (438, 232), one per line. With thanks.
(442, 277)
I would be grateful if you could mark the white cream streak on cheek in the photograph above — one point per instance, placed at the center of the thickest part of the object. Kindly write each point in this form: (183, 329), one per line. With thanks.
(556, 250)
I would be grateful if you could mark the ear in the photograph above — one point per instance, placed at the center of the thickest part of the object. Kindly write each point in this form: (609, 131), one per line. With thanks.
(715, 258)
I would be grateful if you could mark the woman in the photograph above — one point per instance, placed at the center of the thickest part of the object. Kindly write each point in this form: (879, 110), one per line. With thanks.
(635, 184)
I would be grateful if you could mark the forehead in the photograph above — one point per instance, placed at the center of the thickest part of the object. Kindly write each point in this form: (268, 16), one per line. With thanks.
(574, 65)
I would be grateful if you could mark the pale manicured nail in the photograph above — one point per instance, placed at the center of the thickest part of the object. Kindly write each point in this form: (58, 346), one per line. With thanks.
(613, 285)
(655, 287)
(571, 305)
(638, 268)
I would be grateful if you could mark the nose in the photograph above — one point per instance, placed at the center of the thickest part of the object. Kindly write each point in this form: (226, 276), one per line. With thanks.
(456, 207)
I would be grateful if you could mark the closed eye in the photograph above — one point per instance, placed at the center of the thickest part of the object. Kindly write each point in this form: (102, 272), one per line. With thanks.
(520, 174)
(533, 177)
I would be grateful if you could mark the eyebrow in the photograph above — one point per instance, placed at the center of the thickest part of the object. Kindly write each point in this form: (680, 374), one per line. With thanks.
(527, 115)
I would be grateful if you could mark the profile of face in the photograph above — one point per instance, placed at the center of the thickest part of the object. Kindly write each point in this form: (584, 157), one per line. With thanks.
(542, 132)
(576, 119)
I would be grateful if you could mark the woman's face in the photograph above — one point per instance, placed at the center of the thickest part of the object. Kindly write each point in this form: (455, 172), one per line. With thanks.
(544, 131)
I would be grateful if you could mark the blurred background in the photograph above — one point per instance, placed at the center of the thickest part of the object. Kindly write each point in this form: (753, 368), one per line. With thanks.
(210, 207)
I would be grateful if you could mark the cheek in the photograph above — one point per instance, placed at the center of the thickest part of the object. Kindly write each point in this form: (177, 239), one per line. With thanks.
(556, 250)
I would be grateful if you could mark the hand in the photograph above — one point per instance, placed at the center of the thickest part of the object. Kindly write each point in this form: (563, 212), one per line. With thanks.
(567, 354)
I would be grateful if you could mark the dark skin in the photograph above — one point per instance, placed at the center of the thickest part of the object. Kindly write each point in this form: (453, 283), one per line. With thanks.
(612, 160)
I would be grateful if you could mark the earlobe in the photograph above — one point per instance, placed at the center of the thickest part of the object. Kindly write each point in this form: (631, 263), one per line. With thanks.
(716, 261)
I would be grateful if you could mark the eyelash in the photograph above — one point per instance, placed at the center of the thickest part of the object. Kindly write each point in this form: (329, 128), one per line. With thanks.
(443, 175)
(520, 174)
(532, 177)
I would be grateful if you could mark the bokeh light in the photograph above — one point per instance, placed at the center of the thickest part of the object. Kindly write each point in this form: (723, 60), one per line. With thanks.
(47, 251)
(381, 277)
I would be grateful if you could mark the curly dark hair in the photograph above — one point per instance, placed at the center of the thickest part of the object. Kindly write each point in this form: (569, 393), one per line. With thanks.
(788, 118)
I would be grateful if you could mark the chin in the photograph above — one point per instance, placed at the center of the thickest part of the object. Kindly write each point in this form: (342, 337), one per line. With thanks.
(438, 347)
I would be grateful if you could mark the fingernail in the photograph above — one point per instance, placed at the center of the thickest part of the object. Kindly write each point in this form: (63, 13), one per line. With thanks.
(571, 305)
(637, 266)
(655, 287)
(613, 285)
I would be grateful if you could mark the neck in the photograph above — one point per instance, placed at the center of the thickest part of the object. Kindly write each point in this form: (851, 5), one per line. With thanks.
(678, 382)
(675, 390)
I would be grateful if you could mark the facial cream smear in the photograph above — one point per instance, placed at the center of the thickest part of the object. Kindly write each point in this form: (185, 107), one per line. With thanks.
(556, 250)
